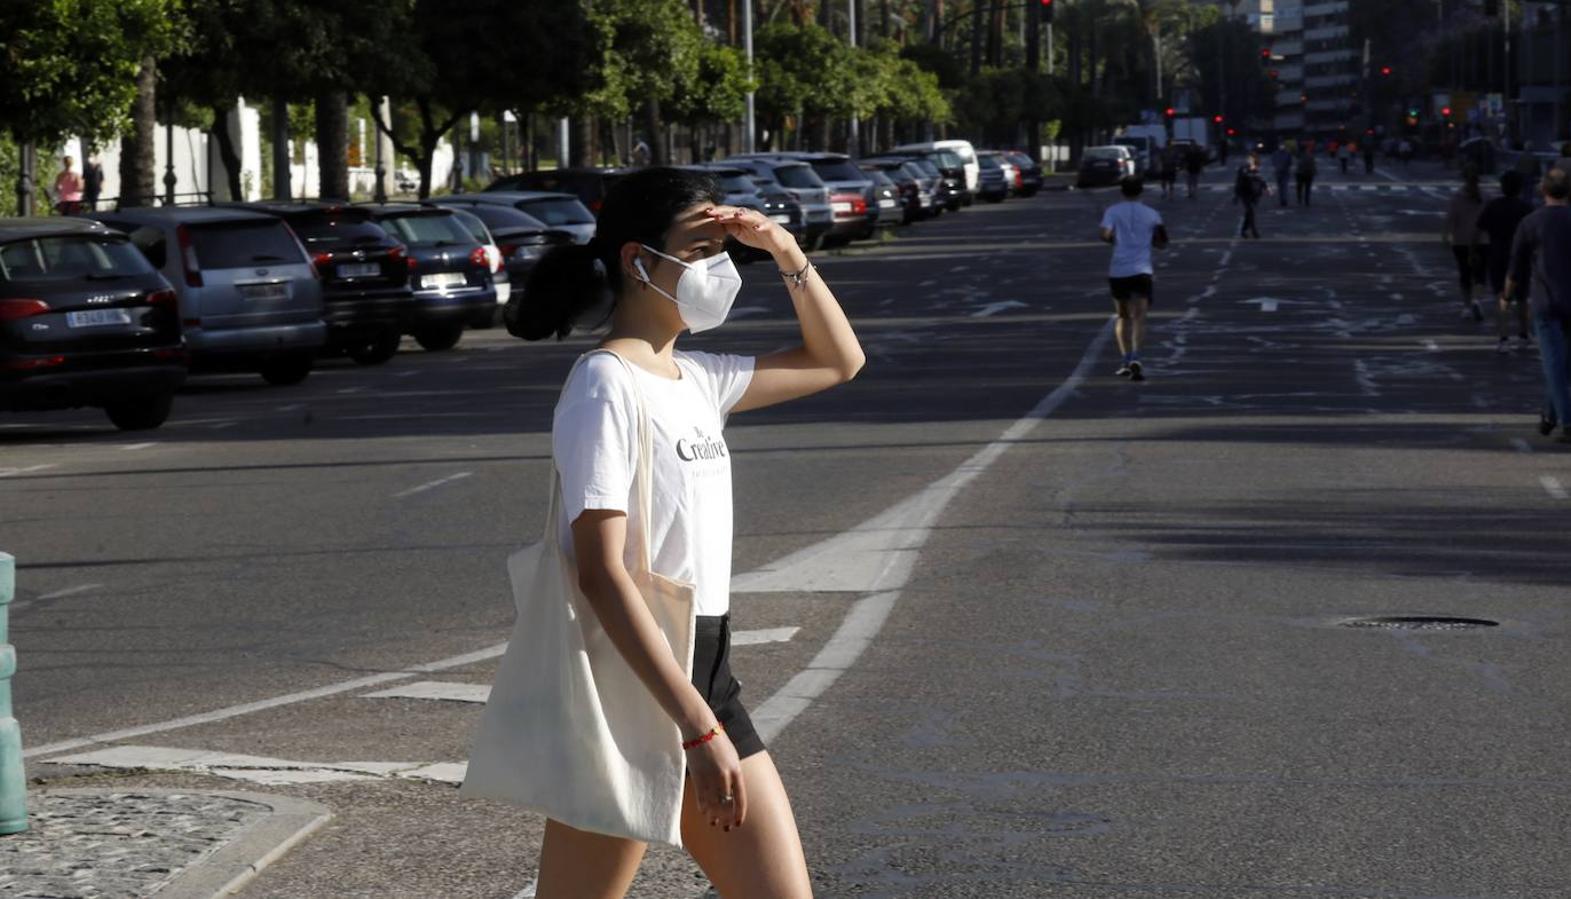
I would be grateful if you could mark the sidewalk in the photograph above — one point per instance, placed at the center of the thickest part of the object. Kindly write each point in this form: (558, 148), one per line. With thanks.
(125, 844)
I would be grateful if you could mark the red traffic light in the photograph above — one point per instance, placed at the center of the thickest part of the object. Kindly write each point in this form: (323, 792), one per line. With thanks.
(1232, 132)
(1265, 52)
(1273, 74)
(1170, 112)
(1445, 111)
(1385, 71)
(1217, 119)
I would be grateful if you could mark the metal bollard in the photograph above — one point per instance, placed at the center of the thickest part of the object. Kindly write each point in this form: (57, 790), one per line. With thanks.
(13, 783)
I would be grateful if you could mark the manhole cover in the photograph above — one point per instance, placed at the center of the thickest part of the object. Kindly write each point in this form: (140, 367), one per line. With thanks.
(1420, 623)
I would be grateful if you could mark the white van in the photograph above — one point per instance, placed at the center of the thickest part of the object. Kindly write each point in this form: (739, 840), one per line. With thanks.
(962, 149)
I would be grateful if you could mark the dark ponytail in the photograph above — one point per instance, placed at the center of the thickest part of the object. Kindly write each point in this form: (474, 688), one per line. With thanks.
(571, 281)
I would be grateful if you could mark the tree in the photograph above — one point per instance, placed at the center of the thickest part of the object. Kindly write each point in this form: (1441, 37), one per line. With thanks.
(75, 66)
(483, 55)
(715, 92)
(803, 71)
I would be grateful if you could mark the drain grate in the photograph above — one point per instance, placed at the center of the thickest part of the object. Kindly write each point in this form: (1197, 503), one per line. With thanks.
(1420, 623)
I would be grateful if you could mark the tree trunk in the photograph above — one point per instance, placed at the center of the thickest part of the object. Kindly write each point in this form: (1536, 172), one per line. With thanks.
(995, 36)
(976, 36)
(137, 150)
(226, 152)
(282, 189)
(656, 134)
(332, 144)
(581, 146)
(935, 21)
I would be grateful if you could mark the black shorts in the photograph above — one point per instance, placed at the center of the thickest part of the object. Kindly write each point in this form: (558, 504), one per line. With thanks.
(712, 677)
(1132, 286)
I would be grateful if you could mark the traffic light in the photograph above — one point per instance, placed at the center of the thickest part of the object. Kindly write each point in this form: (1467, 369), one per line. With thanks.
(1170, 112)
(1412, 112)
(1445, 112)
(1265, 54)
(1272, 74)
(1385, 71)
(1047, 11)
(1217, 119)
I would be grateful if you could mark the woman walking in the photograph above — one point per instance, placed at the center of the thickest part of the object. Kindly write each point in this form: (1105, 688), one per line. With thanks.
(638, 408)
(1462, 234)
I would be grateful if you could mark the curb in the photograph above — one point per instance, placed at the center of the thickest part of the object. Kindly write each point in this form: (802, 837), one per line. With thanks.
(235, 864)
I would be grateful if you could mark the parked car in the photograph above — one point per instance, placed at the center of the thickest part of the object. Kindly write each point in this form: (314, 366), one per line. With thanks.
(951, 193)
(887, 192)
(364, 272)
(994, 184)
(796, 179)
(914, 196)
(589, 185)
(1104, 165)
(853, 207)
(737, 189)
(85, 320)
(493, 254)
(449, 272)
(521, 238)
(1030, 172)
(558, 211)
(961, 149)
(249, 297)
(1142, 147)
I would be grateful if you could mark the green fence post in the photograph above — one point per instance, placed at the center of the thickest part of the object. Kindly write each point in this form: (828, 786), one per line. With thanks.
(13, 783)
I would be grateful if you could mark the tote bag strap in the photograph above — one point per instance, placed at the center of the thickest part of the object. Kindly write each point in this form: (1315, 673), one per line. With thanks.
(643, 472)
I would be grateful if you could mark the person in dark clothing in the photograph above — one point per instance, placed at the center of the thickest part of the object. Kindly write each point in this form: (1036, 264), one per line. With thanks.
(1307, 168)
(1194, 164)
(1499, 220)
(92, 182)
(1248, 188)
(1541, 262)
(1282, 168)
(1369, 155)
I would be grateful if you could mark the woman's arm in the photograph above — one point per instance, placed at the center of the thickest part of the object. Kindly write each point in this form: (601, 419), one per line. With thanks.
(829, 354)
(599, 537)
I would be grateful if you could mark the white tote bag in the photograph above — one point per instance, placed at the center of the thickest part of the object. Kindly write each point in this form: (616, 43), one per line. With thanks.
(570, 731)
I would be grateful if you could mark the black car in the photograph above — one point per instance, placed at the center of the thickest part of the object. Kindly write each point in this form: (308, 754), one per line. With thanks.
(951, 193)
(85, 320)
(913, 198)
(521, 238)
(449, 272)
(589, 185)
(1030, 172)
(887, 194)
(737, 188)
(365, 275)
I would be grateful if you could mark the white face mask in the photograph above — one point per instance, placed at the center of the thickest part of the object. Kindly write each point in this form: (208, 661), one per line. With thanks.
(705, 291)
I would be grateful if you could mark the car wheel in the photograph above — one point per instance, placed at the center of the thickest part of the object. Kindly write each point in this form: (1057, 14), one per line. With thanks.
(375, 350)
(286, 371)
(141, 413)
(436, 338)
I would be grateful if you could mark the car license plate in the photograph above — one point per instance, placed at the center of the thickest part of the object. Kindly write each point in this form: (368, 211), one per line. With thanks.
(359, 270)
(886, 204)
(444, 280)
(95, 317)
(840, 207)
(264, 292)
(782, 219)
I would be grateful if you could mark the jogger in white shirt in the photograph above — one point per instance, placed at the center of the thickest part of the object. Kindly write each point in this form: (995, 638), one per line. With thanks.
(658, 259)
(1133, 228)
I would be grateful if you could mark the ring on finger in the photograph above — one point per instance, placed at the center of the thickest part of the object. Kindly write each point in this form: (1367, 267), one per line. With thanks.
(726, 799)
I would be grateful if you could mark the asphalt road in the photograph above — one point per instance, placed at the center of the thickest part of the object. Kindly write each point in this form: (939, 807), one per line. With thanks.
(1025, 628)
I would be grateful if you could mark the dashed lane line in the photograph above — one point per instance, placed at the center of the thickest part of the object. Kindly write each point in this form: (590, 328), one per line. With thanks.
(1553, 487)
(13, 472)
(432, 485)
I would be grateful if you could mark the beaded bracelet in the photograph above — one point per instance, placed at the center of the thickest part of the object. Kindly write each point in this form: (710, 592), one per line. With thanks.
(699, 741)
(799, 276)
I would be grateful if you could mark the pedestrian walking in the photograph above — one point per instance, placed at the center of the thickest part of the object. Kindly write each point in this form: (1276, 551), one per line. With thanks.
(1541, 261)
(619, 718)
(1344, 155)
(1168, 170)
(1304, 181)
(1248, 188)
(1282, 168)
(1462, 235)
(68, 189)
(1531, 170)
(92, 182)
(1499, 220)
(1368, 148)
(1194, 165)
(1133, 228)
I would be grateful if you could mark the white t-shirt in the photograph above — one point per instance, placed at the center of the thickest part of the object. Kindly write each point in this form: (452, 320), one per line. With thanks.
(594, 443)
(1132, 223)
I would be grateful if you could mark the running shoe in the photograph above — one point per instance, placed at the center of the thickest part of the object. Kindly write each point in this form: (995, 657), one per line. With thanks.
(1135, 374)
(1123, 370)
(1546, 423)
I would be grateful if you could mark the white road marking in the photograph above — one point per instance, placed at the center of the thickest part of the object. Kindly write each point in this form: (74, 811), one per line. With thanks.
(9, 472)
(408, 374)
(348, 390)
(234, 711)
(292, 407)
(262, 769)
(765, 635)
(70, 591)
(1521, 446)
(139, 446)
(1266, 304)
(219, 426)
(1431, 346)
(432, 485)
(994, 308)
(1553, 487)
(446, 691)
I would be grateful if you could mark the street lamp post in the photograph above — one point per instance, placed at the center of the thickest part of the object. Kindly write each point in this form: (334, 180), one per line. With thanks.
(750, 125)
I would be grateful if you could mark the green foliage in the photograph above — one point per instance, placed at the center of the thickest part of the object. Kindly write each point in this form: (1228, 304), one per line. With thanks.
(717, 90)
(641, 50)
(69, 66)
(802, 70)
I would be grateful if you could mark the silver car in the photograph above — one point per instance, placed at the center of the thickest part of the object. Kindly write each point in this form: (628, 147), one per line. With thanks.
(249, 299)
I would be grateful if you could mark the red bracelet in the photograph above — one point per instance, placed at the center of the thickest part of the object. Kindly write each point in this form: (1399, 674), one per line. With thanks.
(699, 741)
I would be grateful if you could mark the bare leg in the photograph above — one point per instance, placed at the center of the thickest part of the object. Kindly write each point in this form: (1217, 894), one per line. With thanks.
(1121, 328)
(1138, 306)
(577, 864)
(763, 858)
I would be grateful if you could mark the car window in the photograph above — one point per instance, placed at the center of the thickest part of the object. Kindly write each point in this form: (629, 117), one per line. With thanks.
(1103, 153)
(426, 230)
(949, 160)
(496, 216)
(325, 229)
(558, 211)
(473, 225)
(838, 170)
(69, 257)
(798, 176)
(964, 155)
(243, 244)
(737, 184)
(989, 161)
